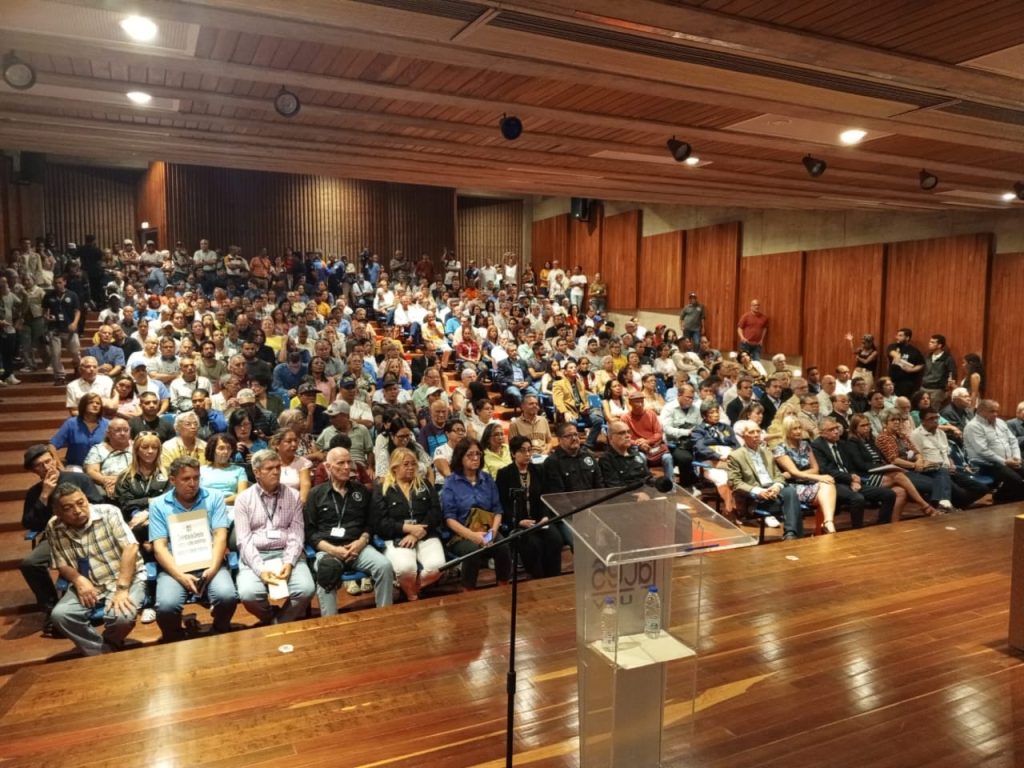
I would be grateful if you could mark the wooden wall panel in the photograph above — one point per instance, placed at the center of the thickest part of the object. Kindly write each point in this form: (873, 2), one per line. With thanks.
(549, 240)
(489, 228)
(1004, 363)
(79, 200)
(842, 293)
(620, 258)
(777, 281)
(712, 271)
(278, 211)
(939, 286)
(584, 244)
(151, 201)
(660, 271)
(421, 220)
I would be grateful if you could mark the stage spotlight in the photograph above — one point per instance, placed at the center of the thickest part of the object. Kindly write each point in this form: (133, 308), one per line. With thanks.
(680, 149)
(1018, 189)
(139, 28)
(511, 127)
(814, 166)
(928, 181)
(17, 73)
(286, 103)
(139, 97)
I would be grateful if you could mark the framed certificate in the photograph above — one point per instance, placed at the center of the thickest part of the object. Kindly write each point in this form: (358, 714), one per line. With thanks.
(191, 540)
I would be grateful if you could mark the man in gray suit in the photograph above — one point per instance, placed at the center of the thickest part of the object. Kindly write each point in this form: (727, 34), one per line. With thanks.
(753, 474)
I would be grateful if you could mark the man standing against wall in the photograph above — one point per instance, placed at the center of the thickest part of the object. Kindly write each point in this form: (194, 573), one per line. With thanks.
(752, 330)
(691, 321)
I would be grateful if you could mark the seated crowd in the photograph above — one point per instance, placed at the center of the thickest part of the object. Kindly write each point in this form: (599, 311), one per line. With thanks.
(294, 413)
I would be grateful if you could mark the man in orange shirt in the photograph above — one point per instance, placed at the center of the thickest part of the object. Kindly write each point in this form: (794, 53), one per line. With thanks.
(647, 434)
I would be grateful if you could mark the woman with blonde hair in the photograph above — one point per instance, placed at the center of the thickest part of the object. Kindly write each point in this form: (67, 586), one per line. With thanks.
(141, 481)
(406, 513)
(796, 459)
(295, 469)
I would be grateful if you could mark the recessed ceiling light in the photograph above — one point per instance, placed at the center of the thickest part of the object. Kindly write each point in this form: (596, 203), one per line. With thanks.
(852, 136)
(1008, 197)
(692, 160)
(139, 28)
(138, 97)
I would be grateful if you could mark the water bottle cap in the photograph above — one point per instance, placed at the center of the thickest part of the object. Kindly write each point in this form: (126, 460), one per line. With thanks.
(652, 588)
(609, 601)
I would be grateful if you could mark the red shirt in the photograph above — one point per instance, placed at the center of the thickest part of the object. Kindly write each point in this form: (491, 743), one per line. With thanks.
(752, 327)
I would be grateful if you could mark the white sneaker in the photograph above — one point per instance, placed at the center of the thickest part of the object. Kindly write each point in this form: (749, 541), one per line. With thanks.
(3, 382)
(353, 588)
(11, 380)
(148, 615)
(366, 585)
(772, 522)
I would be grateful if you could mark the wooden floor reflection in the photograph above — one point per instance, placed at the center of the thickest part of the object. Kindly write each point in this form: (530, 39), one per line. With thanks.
(885, 647)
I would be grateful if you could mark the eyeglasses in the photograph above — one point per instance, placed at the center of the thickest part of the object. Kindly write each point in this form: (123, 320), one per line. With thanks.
(472, 454)
(403, 436)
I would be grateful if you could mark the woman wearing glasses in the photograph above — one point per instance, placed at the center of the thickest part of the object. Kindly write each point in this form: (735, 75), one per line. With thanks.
(398, 434)
(472, 512)
(519, 488)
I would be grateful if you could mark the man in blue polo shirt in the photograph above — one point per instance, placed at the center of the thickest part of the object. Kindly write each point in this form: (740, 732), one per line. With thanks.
(110, 358)
(173, 585)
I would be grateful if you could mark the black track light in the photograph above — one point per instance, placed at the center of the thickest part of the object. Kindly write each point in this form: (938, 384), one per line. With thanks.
(511, 127)
(928, 181)
(1018, 188)
(680, 149)
(814, 166)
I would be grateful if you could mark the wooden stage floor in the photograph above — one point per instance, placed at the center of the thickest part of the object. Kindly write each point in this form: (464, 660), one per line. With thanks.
(884, 647)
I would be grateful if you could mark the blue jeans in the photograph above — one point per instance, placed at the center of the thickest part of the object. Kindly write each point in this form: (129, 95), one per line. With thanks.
(253, 592)
(594, 419)
(754, 350)
(515, 395)
(72, 618)
(171, 596)
(370, 562)
(694, 336)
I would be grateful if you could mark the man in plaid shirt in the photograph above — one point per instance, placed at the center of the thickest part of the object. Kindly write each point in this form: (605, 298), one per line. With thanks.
(94, 550)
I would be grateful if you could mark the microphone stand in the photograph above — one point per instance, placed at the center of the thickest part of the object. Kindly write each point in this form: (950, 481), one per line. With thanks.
(512, 540)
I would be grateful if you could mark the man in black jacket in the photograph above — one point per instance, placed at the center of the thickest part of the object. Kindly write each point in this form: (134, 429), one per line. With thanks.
(829, 451)
(513, 378)
(35, 567)
(338, 527)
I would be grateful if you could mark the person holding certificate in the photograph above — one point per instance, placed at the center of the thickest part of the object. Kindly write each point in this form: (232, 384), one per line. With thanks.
(188, 527)
(271, 541)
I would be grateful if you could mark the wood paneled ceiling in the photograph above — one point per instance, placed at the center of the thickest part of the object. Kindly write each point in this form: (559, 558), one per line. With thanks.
(412, 91)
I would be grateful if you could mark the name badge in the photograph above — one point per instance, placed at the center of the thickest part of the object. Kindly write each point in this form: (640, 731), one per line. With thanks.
(338, 532)
(273, 534)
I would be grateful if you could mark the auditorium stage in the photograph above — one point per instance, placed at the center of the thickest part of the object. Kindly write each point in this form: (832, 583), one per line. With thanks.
(884, 647)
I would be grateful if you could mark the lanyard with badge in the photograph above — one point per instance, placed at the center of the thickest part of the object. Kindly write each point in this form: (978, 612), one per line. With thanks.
(338, 531)
(272, 533)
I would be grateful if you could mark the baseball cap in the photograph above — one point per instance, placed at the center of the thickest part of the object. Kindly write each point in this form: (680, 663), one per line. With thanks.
(338, 408)
(348, 383)
(434, 391)
(308, 389)
(245, 396)
(636, 395)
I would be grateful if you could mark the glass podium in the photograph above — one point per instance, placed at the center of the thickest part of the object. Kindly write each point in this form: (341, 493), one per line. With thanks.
(637, 696)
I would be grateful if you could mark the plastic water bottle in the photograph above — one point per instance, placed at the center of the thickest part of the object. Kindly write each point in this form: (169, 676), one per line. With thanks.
(652, 613)
(609, 625)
